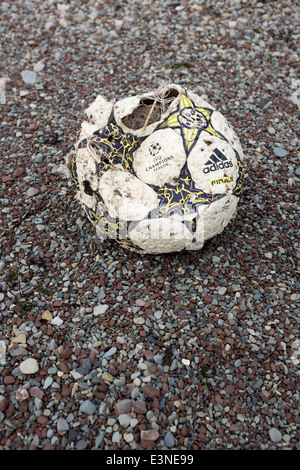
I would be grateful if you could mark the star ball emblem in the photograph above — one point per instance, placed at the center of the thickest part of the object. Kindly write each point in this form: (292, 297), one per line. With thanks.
(191, 120)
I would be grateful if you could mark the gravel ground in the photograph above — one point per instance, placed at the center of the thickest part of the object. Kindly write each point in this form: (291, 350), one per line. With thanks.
(106, 349)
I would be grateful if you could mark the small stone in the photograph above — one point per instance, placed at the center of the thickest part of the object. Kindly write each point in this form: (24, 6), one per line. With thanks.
(123, 407)
(139, 407)
(222, 290)
(271, 130)
(81, 444)
(32, 192)
(57, 321)
(280, 152)
(38, 67)
(36, 392)
(85, 367)
(107, 377)
(22, 394)
(29, 77)
(62, 426)
(186, 362)
(4, 402)
(116, 437)
(72, 434)
(100, 309)
(137, 382)
(169, 440)
(151, 391)
(87, 407)
(150, 435)
(46, 315)
(67, 353)
(124, 420)
(134, 422)
(29, 366)
(249, 73)
(275, 435)
(20, 339)
(19, 172)
(110, 352)
(8, 380)
(48, 382)
(230, 389)
(129, 437)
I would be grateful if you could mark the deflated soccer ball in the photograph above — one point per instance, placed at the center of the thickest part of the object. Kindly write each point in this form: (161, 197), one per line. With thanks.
(159, 172)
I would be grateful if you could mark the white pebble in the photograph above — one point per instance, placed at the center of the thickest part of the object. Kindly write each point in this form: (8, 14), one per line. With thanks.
(29, 77)
(38, 67)
(29, 366)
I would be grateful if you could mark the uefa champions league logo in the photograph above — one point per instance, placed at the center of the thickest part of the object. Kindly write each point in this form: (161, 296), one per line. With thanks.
(192, 118)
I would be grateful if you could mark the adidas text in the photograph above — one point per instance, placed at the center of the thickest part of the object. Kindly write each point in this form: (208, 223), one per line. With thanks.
(217, 161)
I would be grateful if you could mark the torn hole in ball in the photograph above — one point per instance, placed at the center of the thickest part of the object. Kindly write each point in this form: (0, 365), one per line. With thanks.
(150, 110)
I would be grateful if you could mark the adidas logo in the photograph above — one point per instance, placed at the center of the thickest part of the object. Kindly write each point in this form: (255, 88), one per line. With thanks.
(217, 161)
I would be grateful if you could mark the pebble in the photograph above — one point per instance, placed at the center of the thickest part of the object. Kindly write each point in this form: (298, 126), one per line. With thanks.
(151, 391)
(32, 192)
(29, 366)
(100, 309)
(56, 321)
(280, 152)
(62, 426)
(46, 315)
(38, 67)
(81, 444)
(111, 352)
(222, 290)
(149, 435)
(124, 420)
(48, 382)
(29, 77)
(36, 392)
(123, 407)
(129, 437)
(87, 407)
(275, 435)
(169, 440)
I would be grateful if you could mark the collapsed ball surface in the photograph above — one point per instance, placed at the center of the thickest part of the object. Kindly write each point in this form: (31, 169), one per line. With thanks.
(159, 172)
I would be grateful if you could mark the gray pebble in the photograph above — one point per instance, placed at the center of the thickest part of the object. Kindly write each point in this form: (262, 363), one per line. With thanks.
(169, 440)
(110, 352)
(87, 407)
(116, 437)
(280, 152)
(275, 435)
(48, 382)
(124, 420)
(29, 77)
(222, 290)
(81, 444)
(62, 425)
